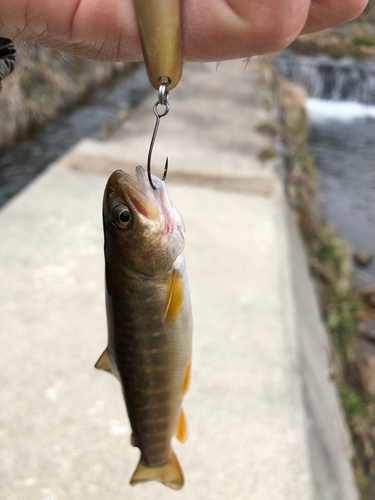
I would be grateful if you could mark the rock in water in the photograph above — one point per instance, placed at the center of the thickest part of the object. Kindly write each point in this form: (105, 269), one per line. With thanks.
(365, 364)
(362, 257)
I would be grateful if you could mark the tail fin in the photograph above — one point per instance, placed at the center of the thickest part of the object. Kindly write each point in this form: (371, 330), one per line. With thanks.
(170, 473)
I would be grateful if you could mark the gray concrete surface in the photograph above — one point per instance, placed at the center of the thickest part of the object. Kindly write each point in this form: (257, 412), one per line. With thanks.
(210, 129)
(328, 440)
(264, 418)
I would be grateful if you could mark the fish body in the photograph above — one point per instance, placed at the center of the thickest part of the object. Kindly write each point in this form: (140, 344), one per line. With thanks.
(149, 318)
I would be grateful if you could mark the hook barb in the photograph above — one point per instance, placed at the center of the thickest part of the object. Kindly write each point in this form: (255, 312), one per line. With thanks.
(165, 170)
(158, 116)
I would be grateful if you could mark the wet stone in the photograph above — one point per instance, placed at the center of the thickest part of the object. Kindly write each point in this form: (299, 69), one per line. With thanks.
(362, 257)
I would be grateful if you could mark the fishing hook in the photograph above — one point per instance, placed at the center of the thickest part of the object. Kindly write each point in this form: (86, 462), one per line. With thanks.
(163, 99)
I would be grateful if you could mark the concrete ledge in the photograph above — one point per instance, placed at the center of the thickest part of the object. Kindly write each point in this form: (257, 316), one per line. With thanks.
(328, 439)
(263, 184)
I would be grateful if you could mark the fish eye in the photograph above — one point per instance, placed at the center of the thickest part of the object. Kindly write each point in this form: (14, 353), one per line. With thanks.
(121, 216)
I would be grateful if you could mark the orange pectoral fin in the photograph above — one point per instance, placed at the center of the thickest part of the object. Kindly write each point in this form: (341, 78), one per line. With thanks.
(175, 298)
(181, 427)
(185, 386)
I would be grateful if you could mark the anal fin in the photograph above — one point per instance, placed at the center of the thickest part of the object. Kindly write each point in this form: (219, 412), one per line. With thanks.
(181, 427)
(105, 363)
(169, 474)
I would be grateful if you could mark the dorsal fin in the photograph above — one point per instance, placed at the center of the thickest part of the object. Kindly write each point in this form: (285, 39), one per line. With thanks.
(175, 297)
(105, 363)
(181, 427)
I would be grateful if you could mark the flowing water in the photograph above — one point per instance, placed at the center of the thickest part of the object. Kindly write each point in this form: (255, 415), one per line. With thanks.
(345, 79)
(342, 142)
(26, 159)
(344, 153)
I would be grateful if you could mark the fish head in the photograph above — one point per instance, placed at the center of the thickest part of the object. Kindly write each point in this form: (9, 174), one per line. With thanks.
(142, 227)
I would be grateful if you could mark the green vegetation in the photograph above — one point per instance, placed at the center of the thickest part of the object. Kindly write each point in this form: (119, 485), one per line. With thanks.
(267, 154)
(341, 312)
(330, 264)
(352, 403)
(268, 128)
(368, 41)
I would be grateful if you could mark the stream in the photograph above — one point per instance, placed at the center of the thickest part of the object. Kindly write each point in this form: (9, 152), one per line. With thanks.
(341, 136)
(26, 159)
(344, 153)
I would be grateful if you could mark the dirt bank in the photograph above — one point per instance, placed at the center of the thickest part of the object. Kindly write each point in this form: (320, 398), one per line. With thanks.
(353, 42)
(43, 84)
(355, 39)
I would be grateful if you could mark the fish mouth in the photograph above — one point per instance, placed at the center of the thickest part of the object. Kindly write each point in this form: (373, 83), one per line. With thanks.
(138, 194)
(144, 183)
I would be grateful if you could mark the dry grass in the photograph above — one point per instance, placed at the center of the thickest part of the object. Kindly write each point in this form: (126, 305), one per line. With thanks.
(43, 84)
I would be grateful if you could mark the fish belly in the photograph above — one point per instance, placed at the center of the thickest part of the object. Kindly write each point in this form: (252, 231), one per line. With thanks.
(150, 345)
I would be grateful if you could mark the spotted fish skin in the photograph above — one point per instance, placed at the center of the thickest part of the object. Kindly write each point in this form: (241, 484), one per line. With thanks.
(149, 317)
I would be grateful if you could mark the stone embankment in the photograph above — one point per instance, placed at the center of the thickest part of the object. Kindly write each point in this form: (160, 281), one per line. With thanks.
(349, 314)
(44, 83)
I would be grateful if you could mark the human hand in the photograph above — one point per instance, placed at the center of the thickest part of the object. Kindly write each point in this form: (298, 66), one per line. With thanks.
(213, 30)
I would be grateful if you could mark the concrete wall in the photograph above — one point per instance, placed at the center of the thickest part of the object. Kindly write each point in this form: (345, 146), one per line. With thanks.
(329, 442)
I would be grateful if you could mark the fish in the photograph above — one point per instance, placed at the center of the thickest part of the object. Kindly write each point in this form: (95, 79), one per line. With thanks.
(149, 318)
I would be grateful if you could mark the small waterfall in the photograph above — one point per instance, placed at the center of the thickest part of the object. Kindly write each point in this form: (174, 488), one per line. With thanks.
(345, 79)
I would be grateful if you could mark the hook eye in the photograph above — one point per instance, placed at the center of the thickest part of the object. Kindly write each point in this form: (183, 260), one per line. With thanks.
(166, 111)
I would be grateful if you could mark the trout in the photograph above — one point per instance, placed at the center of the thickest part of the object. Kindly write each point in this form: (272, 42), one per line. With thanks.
(149, 318)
